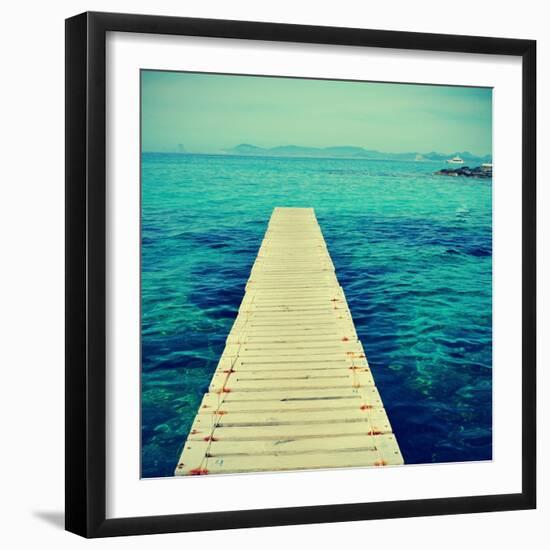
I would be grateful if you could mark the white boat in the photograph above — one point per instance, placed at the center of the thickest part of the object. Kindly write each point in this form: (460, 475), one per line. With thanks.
(455, 160)
(487, 166)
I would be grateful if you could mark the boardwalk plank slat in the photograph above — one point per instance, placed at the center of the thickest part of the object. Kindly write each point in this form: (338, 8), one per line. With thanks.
(274, 401)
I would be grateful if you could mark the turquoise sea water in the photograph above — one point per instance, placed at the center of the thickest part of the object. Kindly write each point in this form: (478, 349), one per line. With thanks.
(413, 252)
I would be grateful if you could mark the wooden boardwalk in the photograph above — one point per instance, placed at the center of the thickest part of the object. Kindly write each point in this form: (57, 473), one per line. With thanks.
(293, 389)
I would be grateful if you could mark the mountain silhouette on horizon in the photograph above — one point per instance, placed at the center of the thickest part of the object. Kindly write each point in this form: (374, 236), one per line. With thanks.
(346, 151)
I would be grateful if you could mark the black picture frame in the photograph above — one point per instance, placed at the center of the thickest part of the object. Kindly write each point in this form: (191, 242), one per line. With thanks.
(86, 274)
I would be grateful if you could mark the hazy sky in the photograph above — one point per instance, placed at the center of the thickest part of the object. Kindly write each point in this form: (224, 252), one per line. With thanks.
(212, 112)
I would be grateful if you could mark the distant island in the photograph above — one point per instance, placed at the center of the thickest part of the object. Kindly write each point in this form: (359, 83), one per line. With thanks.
(246, 149)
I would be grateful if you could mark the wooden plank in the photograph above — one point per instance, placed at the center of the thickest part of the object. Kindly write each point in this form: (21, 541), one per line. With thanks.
(289, 354)
(292, 366)
(294, 374)
(226, 383)
(283, 325)
(295, 396)
(280, 329)
(228, 363)
(233, 385)
(327, 302)
(259, 433)
(336, 345)
(293, 388)
(375, 418)
(368, 397)
(289, 454)
(294, 445)
(276, 333)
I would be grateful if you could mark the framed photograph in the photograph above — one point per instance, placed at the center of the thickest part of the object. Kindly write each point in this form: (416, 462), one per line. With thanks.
(300, 274)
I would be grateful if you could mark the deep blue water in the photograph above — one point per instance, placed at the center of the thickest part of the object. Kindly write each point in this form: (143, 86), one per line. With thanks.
(412, 251)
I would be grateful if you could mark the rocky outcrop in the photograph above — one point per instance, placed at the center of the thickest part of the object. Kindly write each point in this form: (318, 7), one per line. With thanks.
(477, 172)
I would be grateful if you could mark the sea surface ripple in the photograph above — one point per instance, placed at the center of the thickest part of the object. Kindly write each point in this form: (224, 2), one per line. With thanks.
(413, 252)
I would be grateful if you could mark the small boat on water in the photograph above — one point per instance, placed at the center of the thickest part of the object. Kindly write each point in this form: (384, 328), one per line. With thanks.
(487, 166)
(455, 160)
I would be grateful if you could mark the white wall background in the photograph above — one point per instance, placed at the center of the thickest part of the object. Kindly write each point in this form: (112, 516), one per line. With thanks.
(31, 273)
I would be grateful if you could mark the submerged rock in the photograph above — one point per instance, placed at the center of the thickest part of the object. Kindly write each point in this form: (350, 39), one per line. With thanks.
(466, 171)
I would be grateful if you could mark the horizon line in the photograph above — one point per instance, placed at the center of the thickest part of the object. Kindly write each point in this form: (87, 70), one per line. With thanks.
(225, 151)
